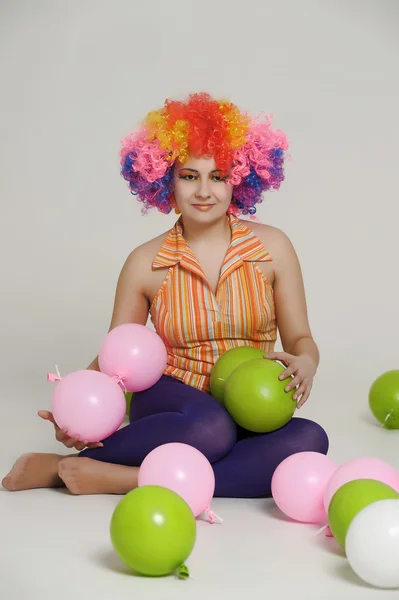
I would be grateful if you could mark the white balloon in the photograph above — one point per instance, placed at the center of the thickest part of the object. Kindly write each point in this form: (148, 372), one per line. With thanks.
(372, 544)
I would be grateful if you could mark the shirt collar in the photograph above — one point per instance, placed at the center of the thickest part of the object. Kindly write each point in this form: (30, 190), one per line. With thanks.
(244, 247)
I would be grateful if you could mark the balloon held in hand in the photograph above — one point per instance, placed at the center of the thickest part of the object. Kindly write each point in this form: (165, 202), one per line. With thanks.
(134, 355)
(88, 405)
(226, 364)
(255, 397)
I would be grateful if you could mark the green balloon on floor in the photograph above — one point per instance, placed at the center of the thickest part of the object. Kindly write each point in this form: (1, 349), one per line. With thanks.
(350, 499)
(384, 399)
(153, 531)
(226, 364)
(255, 397)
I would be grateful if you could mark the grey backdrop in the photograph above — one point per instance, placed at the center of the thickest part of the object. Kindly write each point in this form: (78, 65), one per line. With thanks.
(78, 76)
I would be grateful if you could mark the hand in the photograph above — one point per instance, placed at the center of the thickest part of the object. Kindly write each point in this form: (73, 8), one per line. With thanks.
(62, 435)
(301, 368)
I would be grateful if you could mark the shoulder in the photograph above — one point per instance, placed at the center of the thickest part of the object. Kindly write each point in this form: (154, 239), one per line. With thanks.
(273, 239)
(148, 250)
(141, 258)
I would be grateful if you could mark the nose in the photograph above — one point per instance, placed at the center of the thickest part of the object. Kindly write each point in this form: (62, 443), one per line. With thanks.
(203, 192)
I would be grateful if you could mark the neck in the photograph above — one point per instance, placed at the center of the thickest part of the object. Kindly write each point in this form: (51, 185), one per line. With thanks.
(208, 233)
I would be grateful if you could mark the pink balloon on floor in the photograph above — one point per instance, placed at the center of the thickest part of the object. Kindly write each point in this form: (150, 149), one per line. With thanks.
(298, 486)
(135, 354)
(361, 468)
(89, 405)
(182, 469)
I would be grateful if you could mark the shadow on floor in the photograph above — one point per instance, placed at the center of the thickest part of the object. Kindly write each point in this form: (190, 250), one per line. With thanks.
(110, 561)
(345, 572)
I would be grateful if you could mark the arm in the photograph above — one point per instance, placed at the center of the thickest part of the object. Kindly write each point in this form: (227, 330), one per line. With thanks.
(291, 307)
(130, 305)
(301, 354)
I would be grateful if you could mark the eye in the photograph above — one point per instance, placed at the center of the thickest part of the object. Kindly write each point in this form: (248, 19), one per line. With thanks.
(187, 176)
(219, 176)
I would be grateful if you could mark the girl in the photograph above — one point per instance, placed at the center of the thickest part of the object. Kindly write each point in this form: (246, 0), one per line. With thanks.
(211, 283)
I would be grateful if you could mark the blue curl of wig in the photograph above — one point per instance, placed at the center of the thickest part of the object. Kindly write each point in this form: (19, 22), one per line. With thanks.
(156, 193)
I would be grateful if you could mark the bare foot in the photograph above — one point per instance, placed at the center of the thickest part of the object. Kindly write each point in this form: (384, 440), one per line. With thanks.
(83, 475)
(34, 471)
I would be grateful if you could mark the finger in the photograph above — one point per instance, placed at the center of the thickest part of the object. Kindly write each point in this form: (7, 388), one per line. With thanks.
(278, 356)
(80, 445)
(305, 397)
(297, 380)
(300, 391)
(289, 371)
(86, 444)
(71, 442)
(46, 415)
(284, 360)
(60, 434)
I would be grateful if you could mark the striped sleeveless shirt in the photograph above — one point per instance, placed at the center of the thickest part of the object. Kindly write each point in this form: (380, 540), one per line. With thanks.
(196, 325)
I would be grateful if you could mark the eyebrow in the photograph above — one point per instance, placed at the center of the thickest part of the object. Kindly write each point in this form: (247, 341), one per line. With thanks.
(195, 170)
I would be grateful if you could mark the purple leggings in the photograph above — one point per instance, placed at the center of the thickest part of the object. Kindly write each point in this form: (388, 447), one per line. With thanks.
(243, 462)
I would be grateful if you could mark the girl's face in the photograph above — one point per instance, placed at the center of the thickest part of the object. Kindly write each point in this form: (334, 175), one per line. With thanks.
(201, 192)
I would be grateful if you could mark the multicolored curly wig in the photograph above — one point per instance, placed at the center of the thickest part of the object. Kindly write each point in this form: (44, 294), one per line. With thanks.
(249, 149)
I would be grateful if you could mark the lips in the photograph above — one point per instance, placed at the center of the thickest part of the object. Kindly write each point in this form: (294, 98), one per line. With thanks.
(203, 207)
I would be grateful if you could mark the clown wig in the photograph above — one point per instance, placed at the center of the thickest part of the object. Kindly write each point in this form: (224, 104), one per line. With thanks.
(248, 149)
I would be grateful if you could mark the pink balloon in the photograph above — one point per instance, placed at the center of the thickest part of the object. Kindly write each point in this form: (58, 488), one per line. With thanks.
(298, 486)
(89, 405)
(182, 469)
(135, 354)
(361, 468)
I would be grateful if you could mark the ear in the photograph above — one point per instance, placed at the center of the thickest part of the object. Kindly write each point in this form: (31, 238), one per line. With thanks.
(173, 203)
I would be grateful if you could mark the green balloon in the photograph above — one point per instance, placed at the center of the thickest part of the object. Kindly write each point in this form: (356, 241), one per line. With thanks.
(153, 531)
(226, 364)
(384, 399)
(128, 396)
(255, 397)
(350, 499)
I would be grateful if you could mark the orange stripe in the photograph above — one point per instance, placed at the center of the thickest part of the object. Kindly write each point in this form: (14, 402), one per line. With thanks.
(185, 313)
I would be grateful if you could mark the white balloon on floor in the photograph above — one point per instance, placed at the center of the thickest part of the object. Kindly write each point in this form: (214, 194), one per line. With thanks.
(372, 544)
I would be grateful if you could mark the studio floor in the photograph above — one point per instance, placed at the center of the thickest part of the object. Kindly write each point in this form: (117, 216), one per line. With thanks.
(55, 545)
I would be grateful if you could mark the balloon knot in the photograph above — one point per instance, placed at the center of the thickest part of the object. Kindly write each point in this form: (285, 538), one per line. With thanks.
(322, 530)
(328, 532)
(387, 420)
(119, 380)
(212, 517)
(52, 377)
(183, 572)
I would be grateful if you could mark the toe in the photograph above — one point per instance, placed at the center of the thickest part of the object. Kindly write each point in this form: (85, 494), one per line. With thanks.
(6, 483)
(64, 466)
(68, 474)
